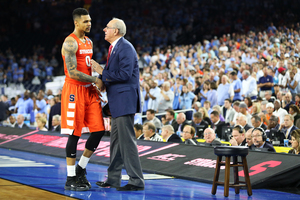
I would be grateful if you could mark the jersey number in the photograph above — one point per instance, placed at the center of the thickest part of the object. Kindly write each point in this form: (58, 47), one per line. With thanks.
(88, 61)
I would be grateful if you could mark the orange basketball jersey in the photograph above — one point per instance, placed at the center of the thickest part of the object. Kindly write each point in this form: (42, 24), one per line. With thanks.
(83, 56)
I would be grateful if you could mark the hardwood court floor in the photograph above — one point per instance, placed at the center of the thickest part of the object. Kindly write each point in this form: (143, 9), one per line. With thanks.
(39, 177)
(16, 191)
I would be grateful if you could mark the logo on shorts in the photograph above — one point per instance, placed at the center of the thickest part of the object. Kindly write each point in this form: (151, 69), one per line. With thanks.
(72, 98)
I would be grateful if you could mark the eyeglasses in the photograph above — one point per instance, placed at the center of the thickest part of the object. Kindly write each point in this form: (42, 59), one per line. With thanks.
(207, 133)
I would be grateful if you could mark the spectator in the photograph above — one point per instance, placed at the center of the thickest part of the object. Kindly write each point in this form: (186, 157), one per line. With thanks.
(150, 115)
(227, 111)
(225, 91)
(249, 86)
(287, 101)
(41, 122)
(166, 98)
(278, 111)
(163, 120)
(210, 137)
(20, 122)
(40, 103)
(259, 140)
(218, 109)
(243, 110)
(287, 126)
(149, 132)
(295, 112)
(180, 122)
(56, 123)
(249, 104)
(186, 100)
(24, 105)
(207, 106)
(203, 92)
(167, 133)
(297, 100)
(11, 122)
(55, 110)
(153, 95)
(188, 135)
(138, 130)
(198, 121)
(269, 97)
(205, 116)
(218, 124)
(237, 86)
(170, 115)
(257, 122)
(3, 110)
(212, 95)
(292, 84)
(265, 83)
(295, 142)
(282, 79)
(249, 138)
(242, 120)
(238, 136)
(196, 106)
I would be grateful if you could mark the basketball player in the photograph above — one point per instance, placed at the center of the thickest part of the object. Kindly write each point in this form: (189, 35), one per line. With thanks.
(80, 104)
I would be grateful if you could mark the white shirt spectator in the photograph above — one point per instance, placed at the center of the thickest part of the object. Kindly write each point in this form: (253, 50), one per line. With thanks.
(280, 113)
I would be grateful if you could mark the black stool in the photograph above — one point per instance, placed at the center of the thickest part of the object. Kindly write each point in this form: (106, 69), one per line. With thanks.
(234, 152)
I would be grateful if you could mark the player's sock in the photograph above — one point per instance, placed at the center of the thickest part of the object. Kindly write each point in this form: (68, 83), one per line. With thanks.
(83, 162)
(71, 170)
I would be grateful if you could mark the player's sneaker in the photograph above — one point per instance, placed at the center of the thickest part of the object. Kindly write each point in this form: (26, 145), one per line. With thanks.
(80, 173)
(74, 184)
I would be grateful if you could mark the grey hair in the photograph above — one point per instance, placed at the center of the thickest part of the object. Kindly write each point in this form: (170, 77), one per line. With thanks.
(169, 128)
(218, 108)
(57, 117)
(120, 25)
(167, 83)
(246, 72)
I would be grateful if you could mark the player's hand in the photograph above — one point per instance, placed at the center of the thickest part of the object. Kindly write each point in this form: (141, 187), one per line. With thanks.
(96, 67)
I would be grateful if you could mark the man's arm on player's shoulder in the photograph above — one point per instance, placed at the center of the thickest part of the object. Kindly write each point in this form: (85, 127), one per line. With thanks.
(70, 47)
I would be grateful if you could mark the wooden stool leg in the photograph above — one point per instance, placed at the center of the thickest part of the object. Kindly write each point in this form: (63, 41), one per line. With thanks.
(216, 176)
(227, 176)
(247, 178)
(235, 173)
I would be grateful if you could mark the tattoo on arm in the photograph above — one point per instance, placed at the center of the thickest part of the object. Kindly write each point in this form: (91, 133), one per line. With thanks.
(70, 48)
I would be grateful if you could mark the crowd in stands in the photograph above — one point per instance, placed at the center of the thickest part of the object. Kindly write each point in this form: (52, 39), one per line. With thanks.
(249, 78)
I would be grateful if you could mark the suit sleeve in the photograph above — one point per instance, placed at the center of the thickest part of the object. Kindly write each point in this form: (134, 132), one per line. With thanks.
(123, 72)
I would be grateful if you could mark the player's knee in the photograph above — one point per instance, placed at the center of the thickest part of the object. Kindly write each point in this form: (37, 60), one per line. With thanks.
(94, 140)
(72, 146)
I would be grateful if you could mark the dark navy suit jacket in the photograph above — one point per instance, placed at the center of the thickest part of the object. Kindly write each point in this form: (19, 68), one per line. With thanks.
(121, 78)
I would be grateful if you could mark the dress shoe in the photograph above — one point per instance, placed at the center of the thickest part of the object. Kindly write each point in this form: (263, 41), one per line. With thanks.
(104, 184)
(130, 187)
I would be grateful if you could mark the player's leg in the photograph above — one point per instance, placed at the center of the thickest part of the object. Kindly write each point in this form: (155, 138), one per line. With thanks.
(90, 146)
(71, 111)
(93, 119)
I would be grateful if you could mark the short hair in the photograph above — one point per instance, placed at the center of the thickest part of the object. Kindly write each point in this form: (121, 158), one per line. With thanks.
(229, 100)
(151, 126)
(57, 117)
(78, 12)
(218, 108)
(138, 127)
(171, 112)
(120, 25)
(244, 117)
(169, 128)
(256, 118)
(274, 118)
(207, 102)
(239, 128)
(151, 111)
(193, 131)
(167, 83)
(236, 103)
(197, 115)
(246, 72)
(215, 113)
(291, 116)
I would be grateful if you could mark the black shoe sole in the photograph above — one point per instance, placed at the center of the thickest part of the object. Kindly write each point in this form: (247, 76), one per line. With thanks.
(108, 186)
(135, 189)
(76, 189)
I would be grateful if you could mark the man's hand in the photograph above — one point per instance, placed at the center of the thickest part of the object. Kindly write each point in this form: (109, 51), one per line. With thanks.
(96, 67)
(233, 142)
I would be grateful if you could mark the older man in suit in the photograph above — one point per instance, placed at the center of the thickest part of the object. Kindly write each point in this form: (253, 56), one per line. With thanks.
(121, 79)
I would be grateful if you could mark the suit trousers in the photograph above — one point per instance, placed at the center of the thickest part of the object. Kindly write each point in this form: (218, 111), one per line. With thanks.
(123, 150)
